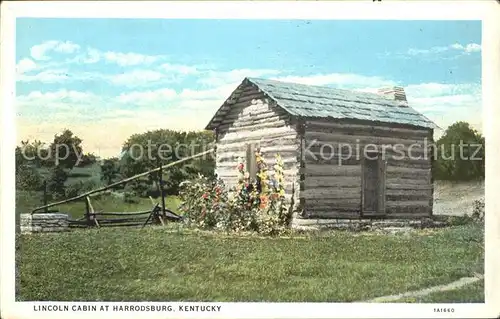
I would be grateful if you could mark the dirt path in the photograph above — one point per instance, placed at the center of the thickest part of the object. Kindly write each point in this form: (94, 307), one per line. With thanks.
(456, 198)
(424, 292)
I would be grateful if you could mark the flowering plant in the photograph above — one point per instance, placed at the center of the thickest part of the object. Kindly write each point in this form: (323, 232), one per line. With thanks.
(202, 201)
(254, 205)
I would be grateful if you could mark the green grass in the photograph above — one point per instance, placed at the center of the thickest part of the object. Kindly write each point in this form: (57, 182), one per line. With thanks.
(161, 264)
(473, 293)
(26, 201)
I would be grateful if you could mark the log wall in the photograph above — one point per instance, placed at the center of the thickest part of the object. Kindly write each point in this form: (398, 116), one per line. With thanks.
(252, 119)
(332, 154)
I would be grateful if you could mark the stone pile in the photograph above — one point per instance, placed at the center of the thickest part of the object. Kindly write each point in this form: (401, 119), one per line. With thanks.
(44, 223)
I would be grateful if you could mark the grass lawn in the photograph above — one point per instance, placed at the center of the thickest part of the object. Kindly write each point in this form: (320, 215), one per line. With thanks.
(473, 293)
(161, 264)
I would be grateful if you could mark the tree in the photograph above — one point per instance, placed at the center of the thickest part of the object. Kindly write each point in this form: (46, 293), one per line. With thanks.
(34, 153)
(87, 160)
(65, 149)
(28, 178)
(109, 170)
(460, 154)
(143, 152)
(56, 182)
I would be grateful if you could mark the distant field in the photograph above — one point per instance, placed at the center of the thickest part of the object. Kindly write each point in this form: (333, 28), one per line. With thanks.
(26, 201)
(456, 198)
(91, 172)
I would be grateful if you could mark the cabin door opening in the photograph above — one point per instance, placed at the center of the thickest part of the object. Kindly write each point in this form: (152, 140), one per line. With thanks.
(373, 185)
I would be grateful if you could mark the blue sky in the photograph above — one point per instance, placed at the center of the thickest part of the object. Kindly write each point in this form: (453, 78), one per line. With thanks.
(116, 77)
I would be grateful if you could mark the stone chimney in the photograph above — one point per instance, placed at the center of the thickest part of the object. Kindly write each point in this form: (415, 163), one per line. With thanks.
(396, 93)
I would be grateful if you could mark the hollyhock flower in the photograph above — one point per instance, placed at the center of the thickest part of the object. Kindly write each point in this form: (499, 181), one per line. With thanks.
(263, 201)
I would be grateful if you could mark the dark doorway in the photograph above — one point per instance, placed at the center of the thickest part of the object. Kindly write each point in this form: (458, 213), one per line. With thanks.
(373, 185)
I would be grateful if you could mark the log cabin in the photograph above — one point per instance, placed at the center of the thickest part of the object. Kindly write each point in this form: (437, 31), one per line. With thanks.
(346, 154)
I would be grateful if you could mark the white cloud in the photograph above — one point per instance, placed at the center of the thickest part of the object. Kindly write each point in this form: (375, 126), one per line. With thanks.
(91, 56)
(57, 70)
(133, 78)
(186, 99)
(447, 103)
(136, 78)
(339, 80)
(219, 93)
(179, 68)
(432, 50)
(88, 117)
(47, 76)
(471, 47)
(38, 51)
(40, 104)
(467, 49)
(220, 78)
(41, 51)
(67, 47)
(25, 65)
(148, 97)
(129, 59)
(60, 95)
(441, 89)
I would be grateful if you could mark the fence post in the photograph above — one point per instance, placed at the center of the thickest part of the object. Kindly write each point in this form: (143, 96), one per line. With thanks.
(45, 196)
(160, 180)
(87, 211)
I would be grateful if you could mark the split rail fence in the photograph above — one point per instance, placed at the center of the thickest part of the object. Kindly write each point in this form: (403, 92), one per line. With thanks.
(158, 214)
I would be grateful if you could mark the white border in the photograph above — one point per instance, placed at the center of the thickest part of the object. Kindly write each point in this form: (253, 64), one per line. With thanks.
(487, 11)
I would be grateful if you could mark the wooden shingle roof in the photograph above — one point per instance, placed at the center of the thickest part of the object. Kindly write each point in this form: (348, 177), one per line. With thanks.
(324, 102)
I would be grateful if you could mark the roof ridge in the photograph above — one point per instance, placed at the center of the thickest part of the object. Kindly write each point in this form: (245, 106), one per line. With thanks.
(374, 94)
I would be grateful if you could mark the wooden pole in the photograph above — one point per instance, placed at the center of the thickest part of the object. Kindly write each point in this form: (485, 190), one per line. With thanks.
(121, 182)
(153, 211)
(45, 195)
(87, 211)
(160, 181)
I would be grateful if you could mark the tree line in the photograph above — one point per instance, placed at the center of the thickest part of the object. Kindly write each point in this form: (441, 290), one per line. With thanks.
(34, 157)
(460, 154)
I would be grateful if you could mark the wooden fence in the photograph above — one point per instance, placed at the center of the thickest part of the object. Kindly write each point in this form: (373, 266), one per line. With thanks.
(157, 215)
